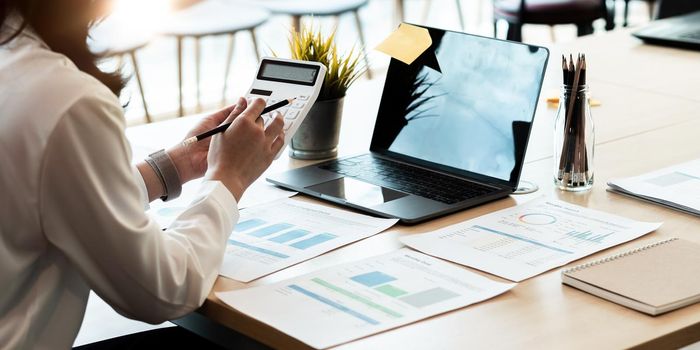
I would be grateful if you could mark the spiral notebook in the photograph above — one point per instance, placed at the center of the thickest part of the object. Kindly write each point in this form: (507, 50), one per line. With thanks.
(653, 279)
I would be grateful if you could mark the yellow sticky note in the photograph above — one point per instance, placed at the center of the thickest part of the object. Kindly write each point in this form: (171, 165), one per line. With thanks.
(406, 43)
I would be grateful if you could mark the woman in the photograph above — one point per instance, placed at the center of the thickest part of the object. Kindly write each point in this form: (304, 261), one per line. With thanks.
(72, 214)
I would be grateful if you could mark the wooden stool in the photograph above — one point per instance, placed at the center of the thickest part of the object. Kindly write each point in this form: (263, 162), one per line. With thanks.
(213, 18)
(117, 39)
(322, 8)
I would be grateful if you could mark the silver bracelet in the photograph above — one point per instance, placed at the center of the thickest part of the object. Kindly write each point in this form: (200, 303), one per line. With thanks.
(164, 167)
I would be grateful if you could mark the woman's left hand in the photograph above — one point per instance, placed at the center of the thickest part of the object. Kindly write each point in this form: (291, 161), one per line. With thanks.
(191, 160)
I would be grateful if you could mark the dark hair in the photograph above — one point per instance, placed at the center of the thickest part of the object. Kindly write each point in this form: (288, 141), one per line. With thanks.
(63, 25)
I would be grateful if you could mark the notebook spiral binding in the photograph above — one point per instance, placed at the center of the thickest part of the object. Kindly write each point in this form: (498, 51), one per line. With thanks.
(617, 256)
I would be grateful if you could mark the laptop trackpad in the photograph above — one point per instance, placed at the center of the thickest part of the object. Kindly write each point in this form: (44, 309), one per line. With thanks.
(357, 192)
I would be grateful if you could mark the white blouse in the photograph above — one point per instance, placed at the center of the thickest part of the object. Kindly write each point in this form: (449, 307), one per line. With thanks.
(72, 210)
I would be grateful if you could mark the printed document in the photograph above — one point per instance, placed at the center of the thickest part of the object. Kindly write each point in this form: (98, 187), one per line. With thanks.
(523, 241)
(677, 187)
(277, 235)
(354, 300)
(259, 192)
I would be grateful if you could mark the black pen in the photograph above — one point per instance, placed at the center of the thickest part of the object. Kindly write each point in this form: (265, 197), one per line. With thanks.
(223, 127)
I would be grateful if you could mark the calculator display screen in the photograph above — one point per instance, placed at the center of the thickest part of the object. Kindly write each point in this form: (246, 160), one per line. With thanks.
(288, 72)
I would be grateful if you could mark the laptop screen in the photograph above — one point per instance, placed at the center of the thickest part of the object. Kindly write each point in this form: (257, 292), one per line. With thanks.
(465, 106)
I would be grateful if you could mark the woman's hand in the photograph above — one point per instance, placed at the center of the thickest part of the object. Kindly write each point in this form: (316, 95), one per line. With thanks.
(240, 154)
(191, 160)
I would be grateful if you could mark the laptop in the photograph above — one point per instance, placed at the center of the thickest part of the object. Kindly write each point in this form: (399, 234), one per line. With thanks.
(451, 132)
(681, 31)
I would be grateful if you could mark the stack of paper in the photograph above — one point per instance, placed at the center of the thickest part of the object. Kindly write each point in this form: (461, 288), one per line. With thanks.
(277, 235)
(259, 192)
(677, 187)
(523, 241)
(354, 300)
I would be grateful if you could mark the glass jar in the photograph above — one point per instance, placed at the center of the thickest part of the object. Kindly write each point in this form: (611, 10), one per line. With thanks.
(574, 141)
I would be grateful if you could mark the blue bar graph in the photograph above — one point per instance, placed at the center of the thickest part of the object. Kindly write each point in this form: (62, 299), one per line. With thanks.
(248, 224)
(372, 279)
(288, 236)
(588, 236)
(318, 239)
(333, 304)
(266, 231)
(257, 249)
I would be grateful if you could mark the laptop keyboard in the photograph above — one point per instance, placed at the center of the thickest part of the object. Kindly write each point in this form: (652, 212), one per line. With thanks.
(409, 179)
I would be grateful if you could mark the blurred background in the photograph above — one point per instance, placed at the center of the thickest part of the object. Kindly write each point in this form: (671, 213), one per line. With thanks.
(165, 46)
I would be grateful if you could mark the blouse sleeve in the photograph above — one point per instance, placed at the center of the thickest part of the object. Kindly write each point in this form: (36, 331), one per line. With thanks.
(92, 212)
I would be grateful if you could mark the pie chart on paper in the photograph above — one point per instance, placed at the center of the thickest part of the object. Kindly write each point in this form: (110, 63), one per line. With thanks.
(537, 219)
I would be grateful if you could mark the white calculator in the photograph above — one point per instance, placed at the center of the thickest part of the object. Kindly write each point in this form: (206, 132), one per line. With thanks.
(279, 79)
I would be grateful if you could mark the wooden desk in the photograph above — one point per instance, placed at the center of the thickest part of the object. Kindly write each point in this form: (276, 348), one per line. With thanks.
(650, 118)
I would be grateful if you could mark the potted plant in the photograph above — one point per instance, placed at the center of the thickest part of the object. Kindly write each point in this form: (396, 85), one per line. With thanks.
(317, 137)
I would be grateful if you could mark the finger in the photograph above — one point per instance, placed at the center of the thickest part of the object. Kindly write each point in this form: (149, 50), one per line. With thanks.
(260, 121)
(275, 128)
(221, 115)
(237, 109)
(254, 109)
(277, 144)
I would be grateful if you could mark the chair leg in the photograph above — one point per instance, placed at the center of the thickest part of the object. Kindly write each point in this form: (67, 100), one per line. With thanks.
(181, 109)
(336, 22)
(296, 23)
(460, 14)
(399, 8)
(198, 71)
(495, 28)
(255, 44)
(515, 32)
(227, 67)
(609, 13)
(584, 28)
(137, 73)
(552, 35)
(625, 13)
(360, 32)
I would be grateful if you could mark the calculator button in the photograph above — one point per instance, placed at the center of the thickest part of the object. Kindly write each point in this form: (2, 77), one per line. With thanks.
(292, 114)
(303, 97)
(272, 101)
(288, 124)
(298, 105)
(283, 111)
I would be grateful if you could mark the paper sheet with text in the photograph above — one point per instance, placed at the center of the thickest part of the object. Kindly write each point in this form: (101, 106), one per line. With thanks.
(523, 241)
(677, 186)
(354, 300)
(259, 192)
(279, 234)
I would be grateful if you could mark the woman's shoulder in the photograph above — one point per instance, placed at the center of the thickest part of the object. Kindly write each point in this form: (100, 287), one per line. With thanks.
(40, 88)
(35, 81)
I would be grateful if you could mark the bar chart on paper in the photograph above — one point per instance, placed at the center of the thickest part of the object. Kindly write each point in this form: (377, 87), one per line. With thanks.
(523, 241)
(271, 237)
(259, 192)
(345, 302)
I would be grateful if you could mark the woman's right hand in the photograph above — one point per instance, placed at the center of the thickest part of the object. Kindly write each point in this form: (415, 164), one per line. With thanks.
(241, 154)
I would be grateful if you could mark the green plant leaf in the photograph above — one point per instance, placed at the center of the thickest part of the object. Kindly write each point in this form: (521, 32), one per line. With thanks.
(309, 44)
